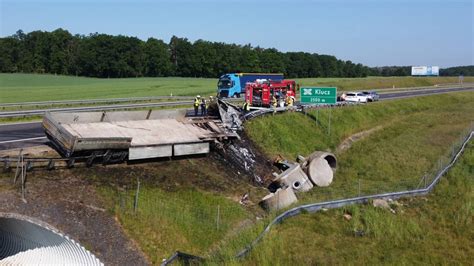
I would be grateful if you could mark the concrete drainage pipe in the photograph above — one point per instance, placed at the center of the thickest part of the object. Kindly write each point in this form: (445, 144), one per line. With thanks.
(320, 168)
(282, 198)
(26, 241)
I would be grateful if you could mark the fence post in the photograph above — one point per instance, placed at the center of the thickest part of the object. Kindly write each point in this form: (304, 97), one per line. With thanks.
(359, 188)
(23, 178)
(329, 123)
(135, 204)
(218, 216)
(18, 165)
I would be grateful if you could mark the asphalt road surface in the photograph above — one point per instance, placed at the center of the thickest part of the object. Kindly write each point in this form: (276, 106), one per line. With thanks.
(407, 94)
(22, 135)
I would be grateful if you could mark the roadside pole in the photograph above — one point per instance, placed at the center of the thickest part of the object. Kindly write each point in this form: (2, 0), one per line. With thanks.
(218, 216)
(135, 205)
(329, 122)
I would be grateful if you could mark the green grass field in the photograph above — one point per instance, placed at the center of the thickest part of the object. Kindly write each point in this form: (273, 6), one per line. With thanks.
(34, 87)
(29, 87)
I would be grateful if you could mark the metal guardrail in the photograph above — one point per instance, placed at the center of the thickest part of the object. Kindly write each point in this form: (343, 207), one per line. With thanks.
(39, 112)
(434, 87)
(91, 108)
(181, 256)
(103, 100)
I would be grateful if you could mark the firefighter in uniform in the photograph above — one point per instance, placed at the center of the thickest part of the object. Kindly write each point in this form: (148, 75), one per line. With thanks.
(246, 107)
(197, 101)
(203, 107)
(291, 100)
(274, 103)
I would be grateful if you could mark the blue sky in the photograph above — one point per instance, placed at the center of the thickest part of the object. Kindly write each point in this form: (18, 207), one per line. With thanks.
(374, 33)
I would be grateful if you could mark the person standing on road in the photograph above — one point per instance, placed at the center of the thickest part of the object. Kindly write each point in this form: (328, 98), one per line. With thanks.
(291, 100)
(246, 107)
(197, 101)
(203, 107)
(274, 103)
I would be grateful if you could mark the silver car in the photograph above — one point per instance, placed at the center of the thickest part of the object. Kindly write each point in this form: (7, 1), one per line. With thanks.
(356, 97)
(372, 96)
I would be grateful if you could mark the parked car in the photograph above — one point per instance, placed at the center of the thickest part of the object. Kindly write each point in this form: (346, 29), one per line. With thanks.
(372, 96)
(341, 97)
(357, 97)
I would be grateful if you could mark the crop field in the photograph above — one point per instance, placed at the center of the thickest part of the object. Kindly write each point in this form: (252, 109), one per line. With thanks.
(30, 87)
(35, 87)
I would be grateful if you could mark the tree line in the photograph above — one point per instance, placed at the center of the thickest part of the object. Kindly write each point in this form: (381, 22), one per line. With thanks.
(387, 71)
(107, 56)
(457, 71)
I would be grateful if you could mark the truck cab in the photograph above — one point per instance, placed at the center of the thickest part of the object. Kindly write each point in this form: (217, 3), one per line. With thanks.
(228, 86)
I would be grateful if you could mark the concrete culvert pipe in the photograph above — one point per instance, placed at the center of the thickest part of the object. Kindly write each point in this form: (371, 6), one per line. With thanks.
(26, 241)
(282, 198)
(296, 178)
(320, 168)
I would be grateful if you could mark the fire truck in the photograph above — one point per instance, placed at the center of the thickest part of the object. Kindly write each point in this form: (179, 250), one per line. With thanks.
(261, 92)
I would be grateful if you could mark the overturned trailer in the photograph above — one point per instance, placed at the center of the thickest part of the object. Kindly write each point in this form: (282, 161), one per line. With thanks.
(134, 135)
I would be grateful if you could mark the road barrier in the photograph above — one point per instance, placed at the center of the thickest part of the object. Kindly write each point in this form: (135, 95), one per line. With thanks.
(92, 101)
(40, 112)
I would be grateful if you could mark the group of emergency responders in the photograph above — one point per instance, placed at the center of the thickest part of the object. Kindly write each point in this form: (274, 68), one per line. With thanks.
(199, 101)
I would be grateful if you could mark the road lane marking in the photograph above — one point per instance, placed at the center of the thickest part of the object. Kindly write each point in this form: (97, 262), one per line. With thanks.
(21, 140)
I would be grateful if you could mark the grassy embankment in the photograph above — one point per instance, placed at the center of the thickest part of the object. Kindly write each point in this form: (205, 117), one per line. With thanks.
(436, 230)
(415, 133)
(33, 87)
(188, 205)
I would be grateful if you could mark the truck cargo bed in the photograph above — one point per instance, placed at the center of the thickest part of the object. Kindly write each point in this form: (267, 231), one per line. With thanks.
(143, 134)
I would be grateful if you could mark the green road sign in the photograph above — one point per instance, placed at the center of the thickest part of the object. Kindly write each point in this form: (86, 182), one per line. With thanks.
(318, 95)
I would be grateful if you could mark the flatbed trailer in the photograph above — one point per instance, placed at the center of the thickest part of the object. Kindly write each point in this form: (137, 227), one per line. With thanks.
(136, 134)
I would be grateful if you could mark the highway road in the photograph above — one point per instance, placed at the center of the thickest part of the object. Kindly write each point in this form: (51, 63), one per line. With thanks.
(21, 135)
(407, 94)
